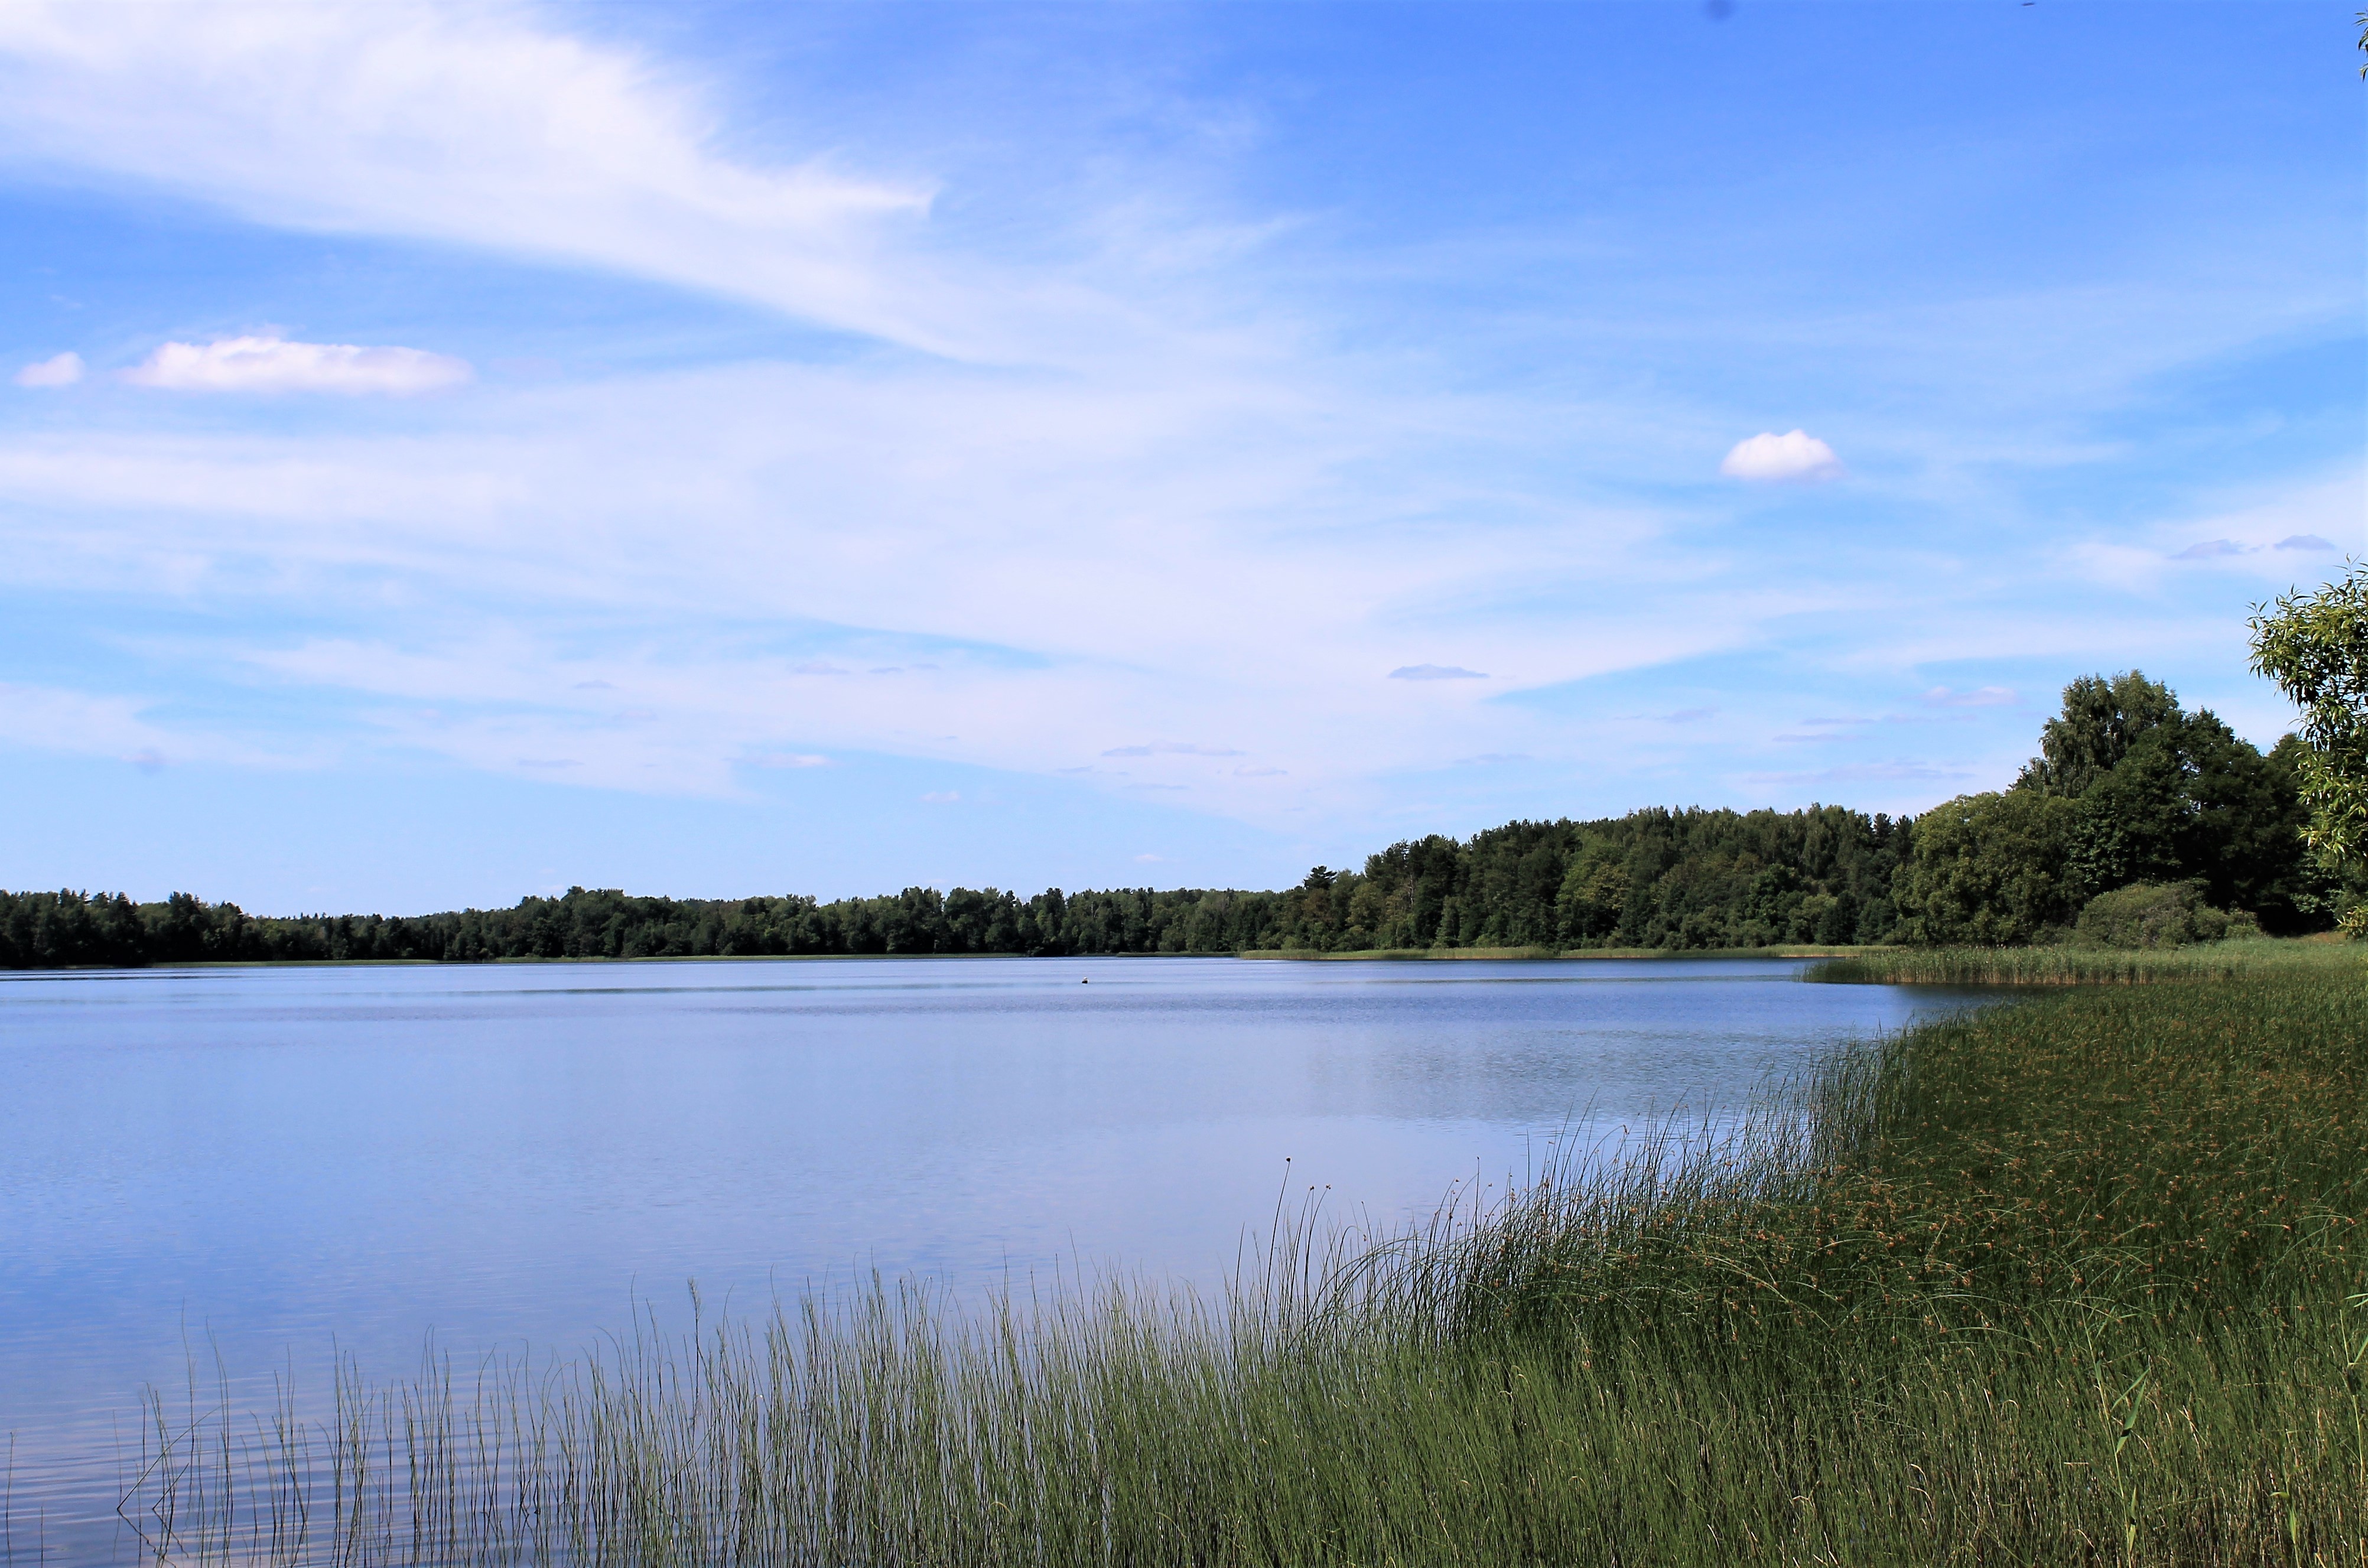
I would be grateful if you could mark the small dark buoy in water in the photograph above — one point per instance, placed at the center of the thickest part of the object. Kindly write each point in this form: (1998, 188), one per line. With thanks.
(1085, 982)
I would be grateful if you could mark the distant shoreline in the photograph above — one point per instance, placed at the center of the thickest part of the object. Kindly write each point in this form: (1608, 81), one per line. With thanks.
(1395, 955)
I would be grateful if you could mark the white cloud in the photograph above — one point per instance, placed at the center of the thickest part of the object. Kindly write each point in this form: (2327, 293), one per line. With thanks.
(2213, 548)
(1176, 748)
(96, 724)
(1981, 696)
(1436, 672)
(1797, 455)
(1067, 558)
(2266, 536)
(1231, 540)
(275, 365)
(455, 122)
(1863, 773)
(62, 370)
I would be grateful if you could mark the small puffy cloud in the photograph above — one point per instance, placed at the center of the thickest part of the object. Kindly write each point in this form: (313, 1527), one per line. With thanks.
(275, 365)
(1436, 672)
(62, 370)
(941, 796)
(2305, 541)
(799, 759)
(2213, 548)
(1981, 696)
(1149, 859)
(1767, 457)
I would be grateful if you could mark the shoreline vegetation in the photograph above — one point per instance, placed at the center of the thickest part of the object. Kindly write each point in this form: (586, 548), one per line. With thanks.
(2140, 825)
(2075, 1277)
(2090, 966)
(1777, 950)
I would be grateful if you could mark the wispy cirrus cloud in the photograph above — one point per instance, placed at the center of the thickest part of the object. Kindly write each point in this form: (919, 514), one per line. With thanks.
(112, 724)
(1151, 481)
(1980, 696)
(1436, 672)
(257, 364)
(1173, 748)
(2213, 549)
(464, 123)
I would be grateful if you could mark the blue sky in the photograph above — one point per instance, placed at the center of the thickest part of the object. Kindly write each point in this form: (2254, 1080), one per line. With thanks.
(460, 451)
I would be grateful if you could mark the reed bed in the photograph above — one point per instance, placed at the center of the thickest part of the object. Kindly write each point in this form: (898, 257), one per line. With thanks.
(2085, 966)
(2078, 1278)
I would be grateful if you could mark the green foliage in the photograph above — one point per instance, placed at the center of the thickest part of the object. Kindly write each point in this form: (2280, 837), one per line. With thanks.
(1991, 870)
(2128, 787)
(2157, 914)
(2077, 1280)
(2103, 721)
(1656, 879)
(2316, 647)
(41, 929)
(1659, 879)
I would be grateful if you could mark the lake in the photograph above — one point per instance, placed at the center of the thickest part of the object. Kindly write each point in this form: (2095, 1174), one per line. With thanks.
(258, 1167)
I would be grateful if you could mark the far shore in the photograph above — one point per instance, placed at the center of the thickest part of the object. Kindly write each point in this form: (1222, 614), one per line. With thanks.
(1788, 951)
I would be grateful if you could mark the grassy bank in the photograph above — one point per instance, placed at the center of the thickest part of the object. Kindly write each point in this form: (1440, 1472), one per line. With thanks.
(1785, 950)
(2091, 966)
(2074, 1279)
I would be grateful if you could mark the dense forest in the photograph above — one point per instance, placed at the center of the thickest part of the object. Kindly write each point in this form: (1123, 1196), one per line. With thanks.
(2129, 790)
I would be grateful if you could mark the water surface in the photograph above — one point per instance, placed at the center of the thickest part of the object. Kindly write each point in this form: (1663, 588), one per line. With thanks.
(255, 1165)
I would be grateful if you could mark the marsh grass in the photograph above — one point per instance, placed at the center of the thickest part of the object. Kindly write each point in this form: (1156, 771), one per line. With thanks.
(2073, 1280)
(2088, 966)
(1454, 955)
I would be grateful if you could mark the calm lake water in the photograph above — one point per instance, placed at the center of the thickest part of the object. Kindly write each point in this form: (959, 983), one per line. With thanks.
(260, 1167)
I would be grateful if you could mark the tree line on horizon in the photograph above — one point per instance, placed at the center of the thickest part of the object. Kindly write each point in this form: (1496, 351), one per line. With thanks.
(2129, 790)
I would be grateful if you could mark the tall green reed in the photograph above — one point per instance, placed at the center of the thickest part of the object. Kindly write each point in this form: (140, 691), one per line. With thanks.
(2085, 966)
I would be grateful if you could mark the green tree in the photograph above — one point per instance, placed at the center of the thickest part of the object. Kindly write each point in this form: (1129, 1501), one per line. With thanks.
(2168, 796)
(1593, 896)
(1991, 871)
(2102, 722)
(2316, 647)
